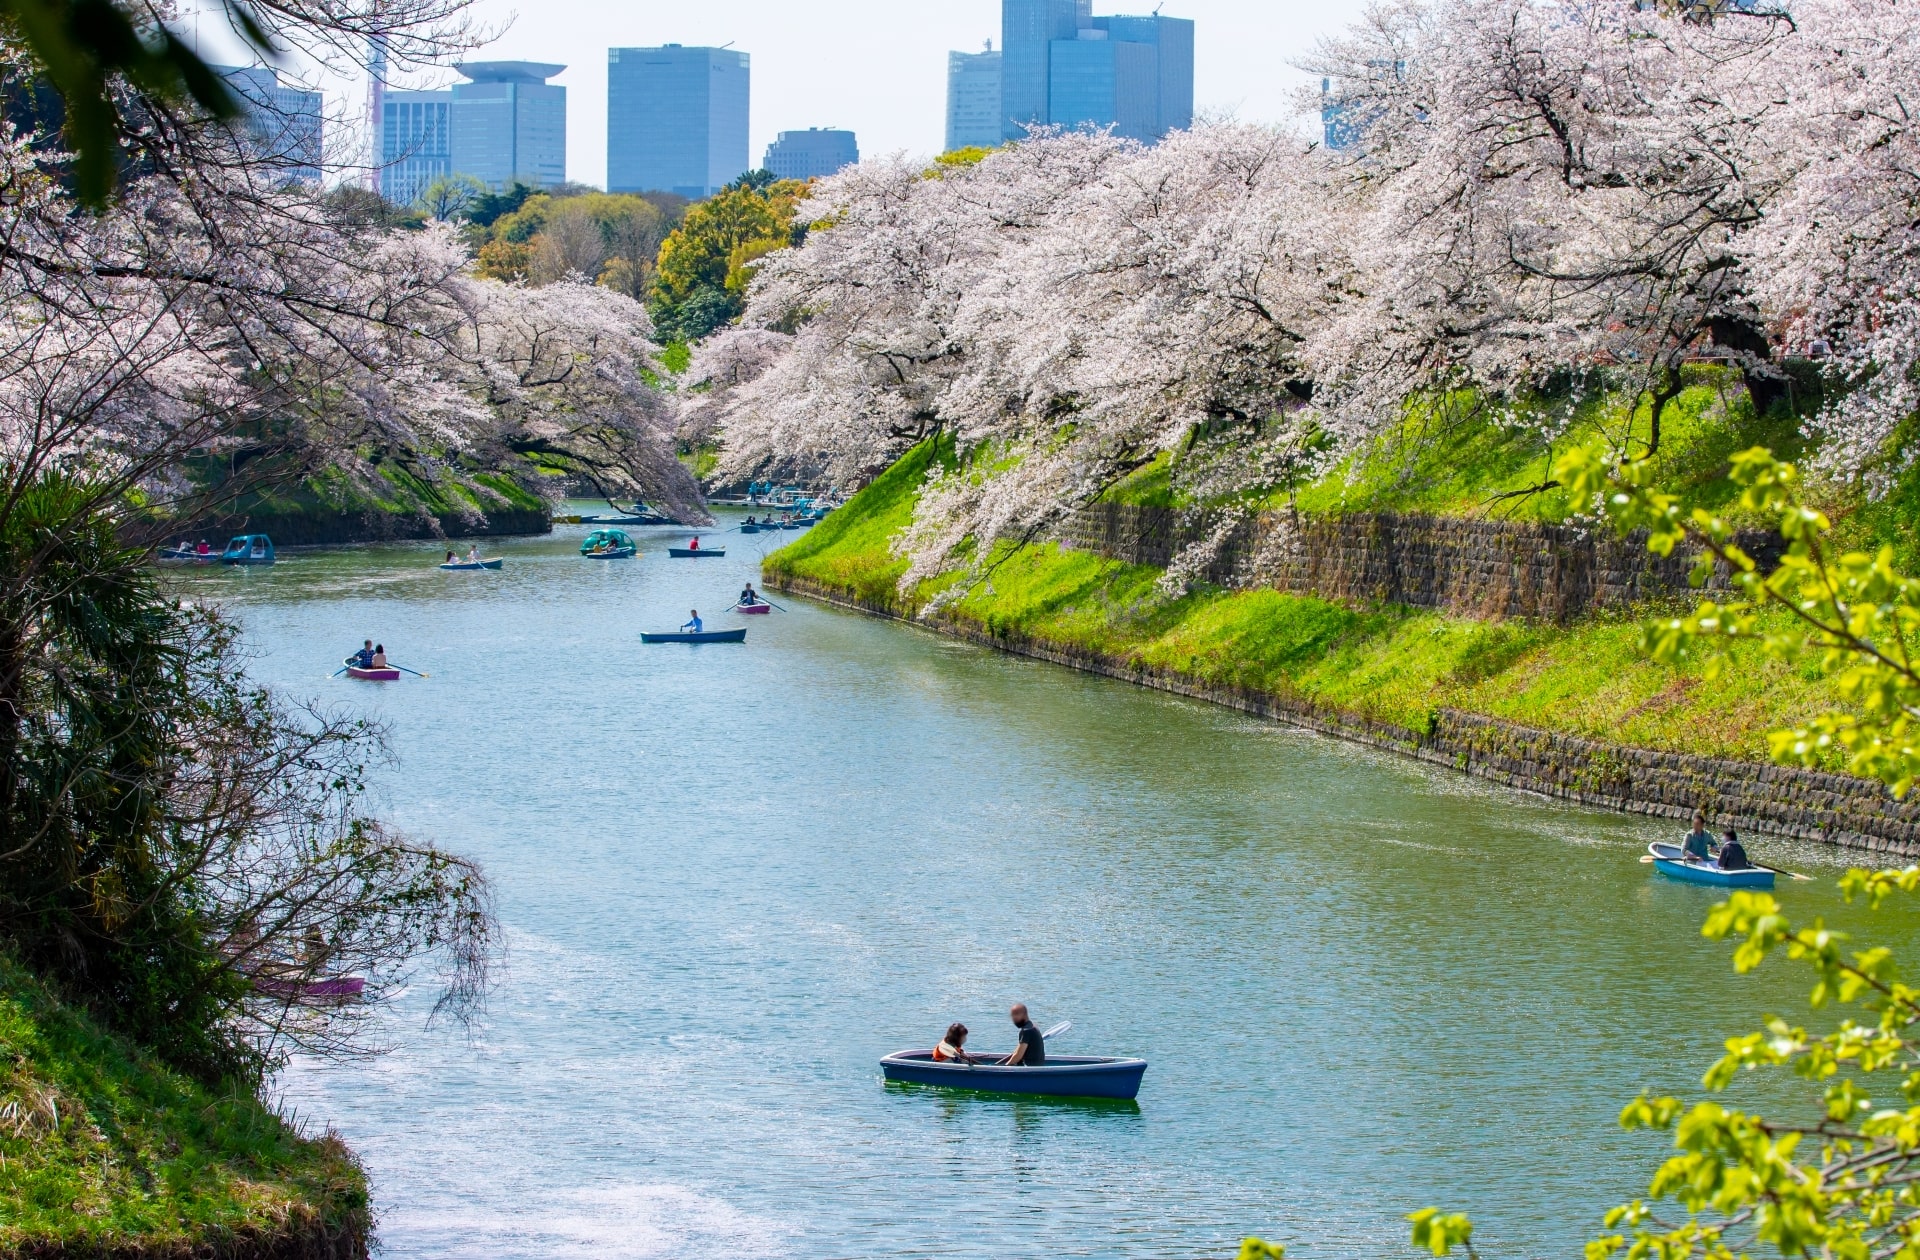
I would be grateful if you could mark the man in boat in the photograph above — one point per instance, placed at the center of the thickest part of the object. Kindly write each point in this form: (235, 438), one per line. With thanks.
(749, 597)
(1032, 1050)
(1733, 854)
(1699, 842)
(693, 625)
(364, 657)
(693, 544)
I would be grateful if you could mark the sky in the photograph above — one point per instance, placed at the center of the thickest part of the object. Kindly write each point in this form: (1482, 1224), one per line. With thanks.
(876, 67)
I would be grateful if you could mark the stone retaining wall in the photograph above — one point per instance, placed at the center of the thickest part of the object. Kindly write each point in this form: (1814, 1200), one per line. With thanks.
(1774, 800)
(1474, 567)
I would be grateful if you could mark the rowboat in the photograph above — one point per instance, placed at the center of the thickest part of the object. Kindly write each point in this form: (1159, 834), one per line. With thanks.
(705, 636)
(752, 610)
(338, 988)
(388, 674)
(750, 529)
(187, 555)
(1671, 860)
(1062, 1076)
(465, 566)
(695, 553)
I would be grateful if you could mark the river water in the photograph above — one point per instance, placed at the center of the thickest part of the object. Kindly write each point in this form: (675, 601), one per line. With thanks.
(732, 877)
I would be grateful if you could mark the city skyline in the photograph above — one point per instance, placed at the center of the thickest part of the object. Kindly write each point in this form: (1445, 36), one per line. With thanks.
(871, 66)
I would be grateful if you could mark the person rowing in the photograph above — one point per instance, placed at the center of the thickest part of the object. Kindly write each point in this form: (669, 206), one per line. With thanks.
(364, 657)
(1032, 1050)
(749, 597)
(694, 624)
(693, 544)
(954, 1048)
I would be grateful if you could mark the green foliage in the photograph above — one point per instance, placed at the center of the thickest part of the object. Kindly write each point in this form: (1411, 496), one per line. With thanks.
(707, 262)
(677, 357)
(1854, 613)
(103, 1149)
(1255, 1249)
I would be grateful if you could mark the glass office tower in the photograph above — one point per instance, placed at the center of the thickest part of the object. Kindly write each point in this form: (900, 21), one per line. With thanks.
(676, 119)
(810, 154)
(1063, 67)
(283, 124)
(416, 142)
(973, 100)
(509, 124)
(1027, 27)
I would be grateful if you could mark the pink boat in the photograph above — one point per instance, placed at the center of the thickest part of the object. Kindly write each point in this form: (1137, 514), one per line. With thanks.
(751, 610)
(336, 987)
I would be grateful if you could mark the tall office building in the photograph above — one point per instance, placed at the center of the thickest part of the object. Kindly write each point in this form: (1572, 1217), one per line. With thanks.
(973, 100)
(676, 119)
(809, 154)
(508, 124)
(1027, 27)
(284, 126)
(1061, 66)
(416, 142)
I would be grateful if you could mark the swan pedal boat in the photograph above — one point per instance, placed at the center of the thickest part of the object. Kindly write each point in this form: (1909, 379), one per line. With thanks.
(461, 565)
(687, 636)
(1061, 1076)
(1671, 860)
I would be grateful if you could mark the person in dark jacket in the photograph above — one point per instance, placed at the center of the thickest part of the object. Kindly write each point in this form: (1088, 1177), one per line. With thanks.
(1032, 1050)
(1733, 855)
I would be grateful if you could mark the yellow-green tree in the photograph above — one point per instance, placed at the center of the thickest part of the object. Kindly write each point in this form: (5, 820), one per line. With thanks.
(706, 263)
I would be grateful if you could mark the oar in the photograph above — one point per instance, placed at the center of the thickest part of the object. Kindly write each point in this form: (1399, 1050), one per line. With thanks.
(336, 673)
(416, 673)
(770, 603)
(1063, 1026)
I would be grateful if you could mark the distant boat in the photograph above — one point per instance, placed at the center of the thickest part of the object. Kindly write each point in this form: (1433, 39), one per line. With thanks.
(752, 610)
(248, 549)
(338, 988)
(705, 636)
(466, 565)
(612, 544)
(1672, 860)
(1065, 1076)
(187, 555)
(385, 673)
(695, 553)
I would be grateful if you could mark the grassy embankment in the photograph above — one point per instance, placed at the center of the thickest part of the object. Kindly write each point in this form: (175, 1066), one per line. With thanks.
(1388, 663)
(103, 1152)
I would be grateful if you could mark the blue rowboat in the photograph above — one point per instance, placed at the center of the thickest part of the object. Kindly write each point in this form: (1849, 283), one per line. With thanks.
(705, 636)
(1671, 860)
(696, 553)
(1062, 1076)
(463, 566)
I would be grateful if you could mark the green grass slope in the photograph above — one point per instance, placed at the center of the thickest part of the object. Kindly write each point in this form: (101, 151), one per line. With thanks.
(1388, 663)
(104, 1152)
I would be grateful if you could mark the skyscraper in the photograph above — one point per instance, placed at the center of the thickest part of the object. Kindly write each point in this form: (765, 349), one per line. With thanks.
(814, 152)
(973, 100)
(416, 142)
(1026, 28)
(508, 124)
(1061, 66)
(676, 119)
(283, 124)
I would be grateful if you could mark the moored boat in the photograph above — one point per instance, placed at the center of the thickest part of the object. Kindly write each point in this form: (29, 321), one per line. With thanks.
(696, 553)
(1672, 860)
(188, 555)
(687, 636)
(1063, 1076)
(337, 988)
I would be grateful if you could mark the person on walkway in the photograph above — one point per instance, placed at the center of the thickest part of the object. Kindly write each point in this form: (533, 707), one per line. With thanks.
(364, 657)
(1699, 841)
(953, 1049)
(1032, 1050)
(379, 656)
(1733, 854)
(694, 624)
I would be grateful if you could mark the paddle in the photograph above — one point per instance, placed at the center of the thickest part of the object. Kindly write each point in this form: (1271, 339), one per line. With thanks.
(1064, 1025)
(416, 673)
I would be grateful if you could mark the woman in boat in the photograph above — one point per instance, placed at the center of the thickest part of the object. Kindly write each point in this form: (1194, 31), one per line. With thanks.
(1699, 842)
(379, 656)
(449, 557)
(953, 1049)
(1733, 854)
